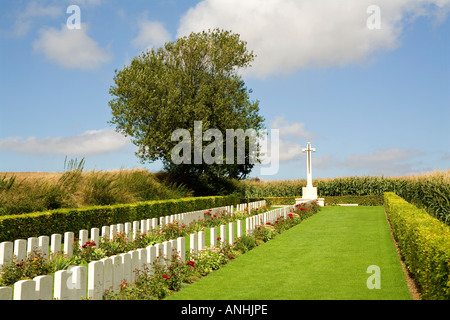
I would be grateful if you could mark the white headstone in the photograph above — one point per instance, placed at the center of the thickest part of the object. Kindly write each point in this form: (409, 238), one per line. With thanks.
(95, 280)
(6, 253)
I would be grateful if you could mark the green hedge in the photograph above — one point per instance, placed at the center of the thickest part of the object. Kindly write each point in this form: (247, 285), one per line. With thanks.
(367, 200)
(424, 243)
(270, 201)
(36, 224)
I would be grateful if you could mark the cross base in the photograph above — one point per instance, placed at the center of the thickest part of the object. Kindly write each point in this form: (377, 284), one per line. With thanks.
(309, 193)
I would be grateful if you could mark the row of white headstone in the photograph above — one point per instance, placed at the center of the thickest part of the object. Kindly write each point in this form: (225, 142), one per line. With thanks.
(46, 246)
(72, 283)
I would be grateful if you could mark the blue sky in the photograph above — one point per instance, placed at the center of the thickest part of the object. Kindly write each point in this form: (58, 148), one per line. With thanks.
(372, 101)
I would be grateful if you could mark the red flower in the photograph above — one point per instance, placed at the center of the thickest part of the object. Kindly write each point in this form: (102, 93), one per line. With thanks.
(166, 276)
(88, 243)
(219, 238)
(214, 216)
(19, 264)
(190, 263)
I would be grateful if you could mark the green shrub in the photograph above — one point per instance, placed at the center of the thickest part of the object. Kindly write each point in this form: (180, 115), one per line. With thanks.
(424, 243)
(367, 200)
(36, 224)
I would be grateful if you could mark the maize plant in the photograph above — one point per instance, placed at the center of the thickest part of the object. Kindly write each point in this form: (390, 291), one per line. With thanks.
(429, 191)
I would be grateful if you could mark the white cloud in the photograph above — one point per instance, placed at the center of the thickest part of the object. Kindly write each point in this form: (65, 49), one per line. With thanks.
(86, 2)
(27, 17)
(380, 157)
(284, 149)
(288, 35)
(90, 142)
(294, 129)
(286, 143)
(390, 161)
(71, 48)
(151, 34)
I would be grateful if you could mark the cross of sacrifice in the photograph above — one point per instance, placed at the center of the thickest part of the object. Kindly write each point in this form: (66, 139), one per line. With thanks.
(308, 150)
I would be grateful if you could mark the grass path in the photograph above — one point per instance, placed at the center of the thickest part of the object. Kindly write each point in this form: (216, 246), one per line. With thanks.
(324, 257)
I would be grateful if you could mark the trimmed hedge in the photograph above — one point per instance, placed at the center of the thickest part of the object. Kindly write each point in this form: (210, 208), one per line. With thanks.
(367, 200)
(424, 243)
(36, 224)
(279, 200)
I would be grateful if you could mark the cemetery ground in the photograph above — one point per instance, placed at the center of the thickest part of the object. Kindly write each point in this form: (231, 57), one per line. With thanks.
(328, 256)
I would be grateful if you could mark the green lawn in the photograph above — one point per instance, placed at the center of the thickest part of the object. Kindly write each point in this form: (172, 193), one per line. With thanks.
(324, 257)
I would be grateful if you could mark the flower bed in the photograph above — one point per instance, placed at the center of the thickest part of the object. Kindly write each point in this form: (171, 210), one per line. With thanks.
(35, 264)
(166, 277)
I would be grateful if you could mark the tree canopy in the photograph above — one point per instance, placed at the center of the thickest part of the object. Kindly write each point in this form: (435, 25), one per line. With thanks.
(195, 78)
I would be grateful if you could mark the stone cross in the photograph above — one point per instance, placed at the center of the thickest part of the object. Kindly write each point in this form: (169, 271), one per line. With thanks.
(308, 150)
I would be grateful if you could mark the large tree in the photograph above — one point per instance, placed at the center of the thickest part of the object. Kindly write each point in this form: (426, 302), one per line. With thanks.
(195, 78)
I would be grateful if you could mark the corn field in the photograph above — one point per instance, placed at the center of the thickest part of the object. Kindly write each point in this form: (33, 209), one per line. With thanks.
(430, 191)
